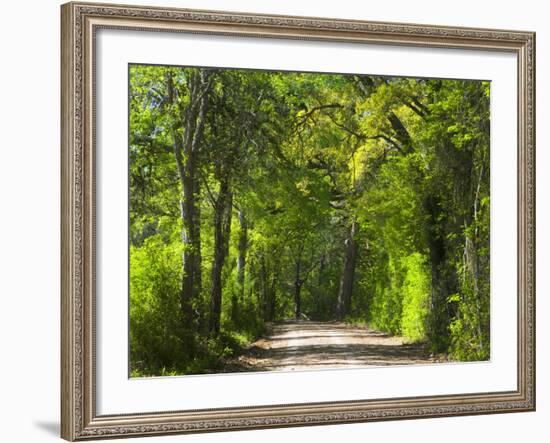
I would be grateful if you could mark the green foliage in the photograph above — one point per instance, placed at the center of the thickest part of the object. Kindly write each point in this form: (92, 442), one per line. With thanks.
(155, 326)
(416, 297)
(470, 329)
(301, 157)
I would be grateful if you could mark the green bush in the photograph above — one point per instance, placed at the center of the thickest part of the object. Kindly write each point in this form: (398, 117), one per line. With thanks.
(155, 325)
(416, 294)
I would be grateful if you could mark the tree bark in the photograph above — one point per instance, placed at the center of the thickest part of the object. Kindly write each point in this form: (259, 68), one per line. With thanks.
(222, 227)
(439, 309)
(243, 245)
(272, 294)
(238, 296)
(348, 272)
(263, 293)
(186, 151)
(298, 289)
(401, 132)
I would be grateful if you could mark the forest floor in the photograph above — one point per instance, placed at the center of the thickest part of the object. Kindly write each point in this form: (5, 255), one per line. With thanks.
(302, 345)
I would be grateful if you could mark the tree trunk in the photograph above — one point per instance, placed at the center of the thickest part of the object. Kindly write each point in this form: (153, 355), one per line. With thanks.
(272, 296)
(439, 308)
(263, 293)
(237, 296)
(348, 273)
(322, 266)
(222, 227)
(243, 245)
(297, 290)
(186, 151)
(191, 280)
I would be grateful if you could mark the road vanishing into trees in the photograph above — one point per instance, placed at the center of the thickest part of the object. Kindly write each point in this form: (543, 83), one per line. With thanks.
(308, 345)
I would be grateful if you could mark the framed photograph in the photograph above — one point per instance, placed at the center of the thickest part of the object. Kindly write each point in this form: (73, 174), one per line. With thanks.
(283, 221)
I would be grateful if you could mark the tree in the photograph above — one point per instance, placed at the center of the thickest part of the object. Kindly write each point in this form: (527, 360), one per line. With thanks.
(187, 126)
(301, 195)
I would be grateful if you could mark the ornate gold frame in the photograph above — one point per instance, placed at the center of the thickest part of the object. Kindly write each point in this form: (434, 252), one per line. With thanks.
(79, 21)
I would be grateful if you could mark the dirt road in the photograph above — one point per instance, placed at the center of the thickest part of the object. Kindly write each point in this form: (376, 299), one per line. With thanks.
(298, 345)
